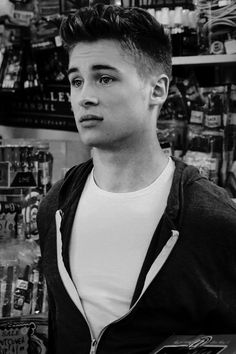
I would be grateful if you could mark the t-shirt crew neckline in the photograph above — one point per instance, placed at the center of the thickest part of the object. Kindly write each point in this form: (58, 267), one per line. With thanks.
(146, 190)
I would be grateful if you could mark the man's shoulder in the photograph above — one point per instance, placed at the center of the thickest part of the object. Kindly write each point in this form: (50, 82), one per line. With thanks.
(211, 200)
(51, 198)
(67, 183)
(194, 191)
(47, 209)
(50, 202)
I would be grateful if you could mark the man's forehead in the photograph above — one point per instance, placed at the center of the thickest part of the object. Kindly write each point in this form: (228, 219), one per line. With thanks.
(100, 55)
(97, 48)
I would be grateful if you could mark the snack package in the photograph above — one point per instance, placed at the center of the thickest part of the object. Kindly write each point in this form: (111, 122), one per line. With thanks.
(11, 71)
(28, 335)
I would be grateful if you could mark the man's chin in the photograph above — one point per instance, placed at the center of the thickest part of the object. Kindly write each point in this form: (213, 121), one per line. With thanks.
(100, 142)
(93, 142)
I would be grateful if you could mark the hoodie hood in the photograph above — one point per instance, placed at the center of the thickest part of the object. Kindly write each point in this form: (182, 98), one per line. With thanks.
(184, 176)
(74, 182)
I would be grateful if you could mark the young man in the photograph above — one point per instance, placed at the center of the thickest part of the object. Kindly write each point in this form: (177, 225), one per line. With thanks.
(135, 246)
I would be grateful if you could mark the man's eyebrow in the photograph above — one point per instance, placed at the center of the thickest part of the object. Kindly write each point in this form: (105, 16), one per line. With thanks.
(104, 67)
(72, 70)
(94, 68)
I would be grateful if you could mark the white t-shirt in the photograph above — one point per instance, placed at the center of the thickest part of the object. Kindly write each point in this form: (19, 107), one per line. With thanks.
(110, 237)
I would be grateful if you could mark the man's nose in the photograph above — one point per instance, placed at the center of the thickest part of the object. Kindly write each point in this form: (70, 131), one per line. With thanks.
(88, 101)
(88, 96)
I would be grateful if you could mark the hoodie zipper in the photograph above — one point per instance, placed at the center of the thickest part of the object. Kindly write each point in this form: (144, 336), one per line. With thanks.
(95, 342)
(93, 347)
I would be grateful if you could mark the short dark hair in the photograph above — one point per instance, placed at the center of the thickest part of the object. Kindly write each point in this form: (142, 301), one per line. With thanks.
(137, 31)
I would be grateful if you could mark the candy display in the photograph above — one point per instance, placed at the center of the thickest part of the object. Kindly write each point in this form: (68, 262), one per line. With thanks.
(22, 286)
(23, 290)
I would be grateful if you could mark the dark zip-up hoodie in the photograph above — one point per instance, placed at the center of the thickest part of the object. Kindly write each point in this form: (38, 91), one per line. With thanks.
(187, 284)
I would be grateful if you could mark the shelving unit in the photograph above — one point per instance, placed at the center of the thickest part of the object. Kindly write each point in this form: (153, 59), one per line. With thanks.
(205, 59)
(218, 69)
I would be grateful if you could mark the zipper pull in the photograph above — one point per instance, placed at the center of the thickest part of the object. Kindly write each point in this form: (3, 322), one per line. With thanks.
(93, 346)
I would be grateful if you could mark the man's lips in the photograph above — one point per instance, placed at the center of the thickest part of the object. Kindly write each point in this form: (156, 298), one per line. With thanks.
(89, 117)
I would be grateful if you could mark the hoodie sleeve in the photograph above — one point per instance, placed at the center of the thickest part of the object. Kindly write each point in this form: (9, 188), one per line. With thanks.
(45, 219)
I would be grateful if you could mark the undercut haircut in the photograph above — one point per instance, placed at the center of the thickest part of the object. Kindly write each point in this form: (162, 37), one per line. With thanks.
(140, 35)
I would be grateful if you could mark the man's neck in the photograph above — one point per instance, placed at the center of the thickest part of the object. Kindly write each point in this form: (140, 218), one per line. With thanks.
(127, 171)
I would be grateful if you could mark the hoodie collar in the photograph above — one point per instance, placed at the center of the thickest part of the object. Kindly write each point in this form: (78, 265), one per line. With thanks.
(184, 174)
(73, 184)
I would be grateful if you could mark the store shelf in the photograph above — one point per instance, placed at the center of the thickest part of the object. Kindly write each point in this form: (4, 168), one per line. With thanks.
(204, 59)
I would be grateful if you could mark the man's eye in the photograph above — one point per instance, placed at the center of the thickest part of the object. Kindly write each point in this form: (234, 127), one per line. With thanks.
(76, 82)
(106, 80)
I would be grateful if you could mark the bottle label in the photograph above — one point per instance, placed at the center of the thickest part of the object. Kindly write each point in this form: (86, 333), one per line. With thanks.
(19, 302)
(196, 117)
(45, 176)
(212, 163)
(167, 151)
(232, 118)
(22, 284)
(213, 120)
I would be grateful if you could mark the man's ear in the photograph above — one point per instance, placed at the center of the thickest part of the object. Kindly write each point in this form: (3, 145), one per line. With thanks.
(159, 92)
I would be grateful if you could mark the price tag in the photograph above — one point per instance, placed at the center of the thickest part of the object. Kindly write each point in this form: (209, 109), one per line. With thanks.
(230, 46)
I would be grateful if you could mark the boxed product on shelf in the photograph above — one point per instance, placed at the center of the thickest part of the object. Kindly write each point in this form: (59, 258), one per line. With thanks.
(198, 344)
(26, 166)
(10, 178)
